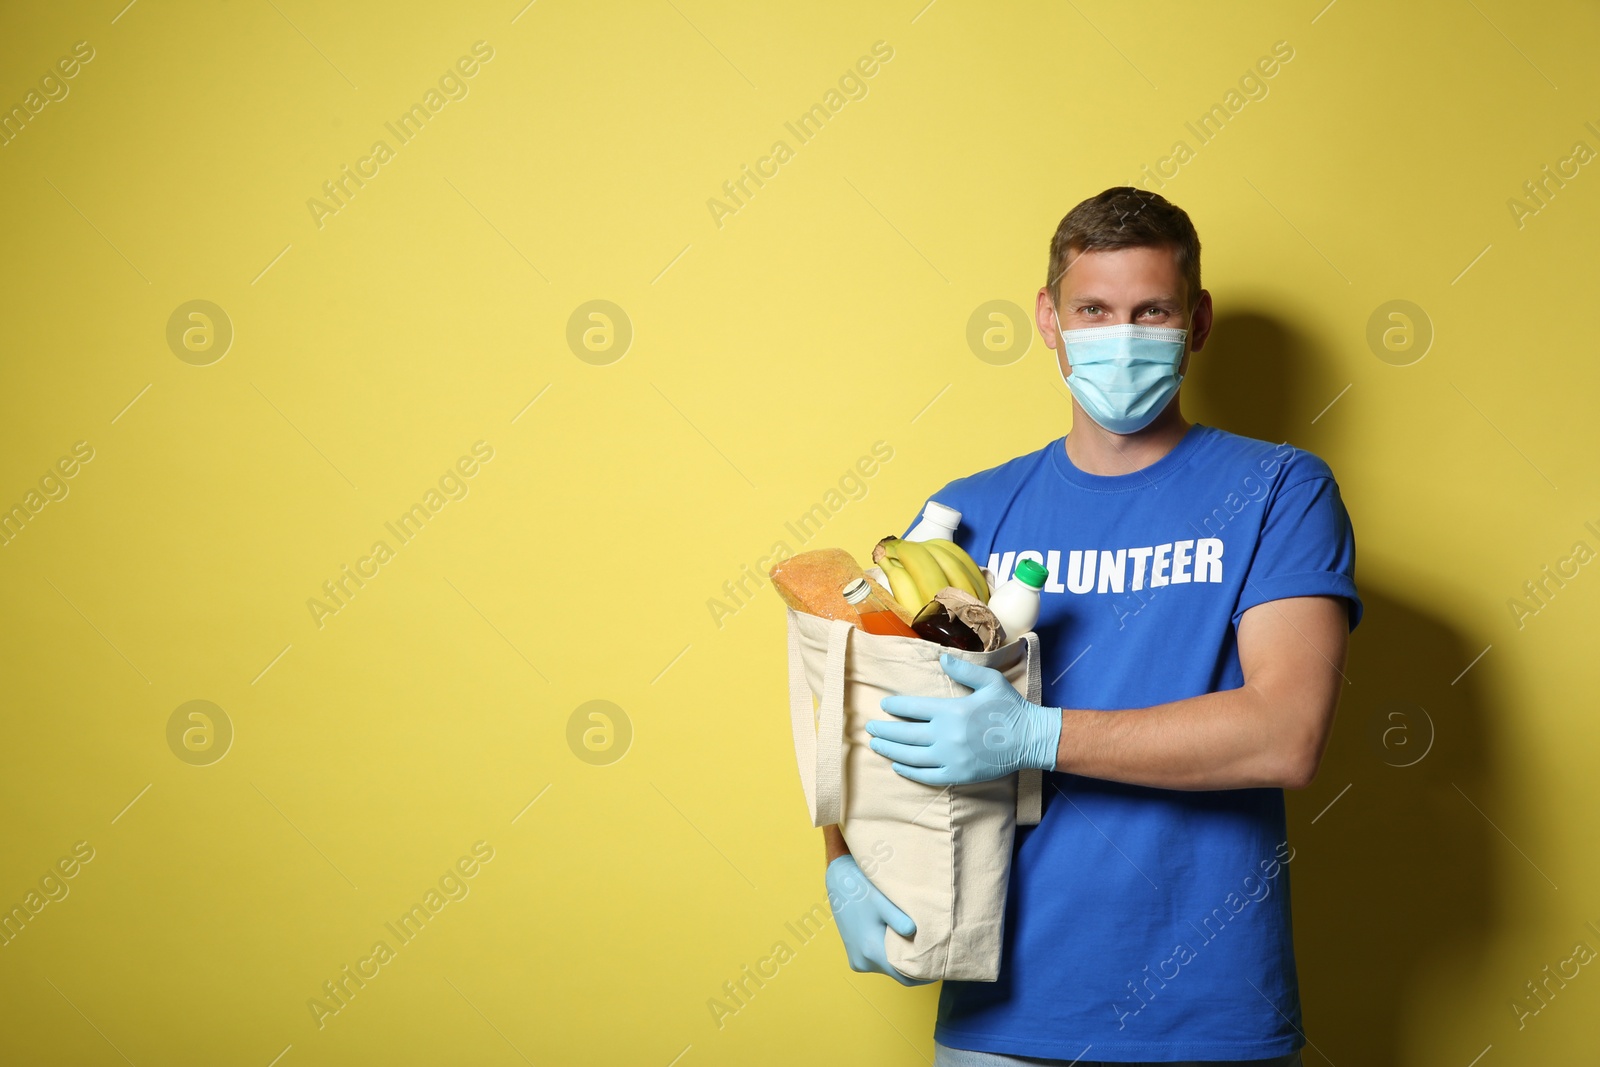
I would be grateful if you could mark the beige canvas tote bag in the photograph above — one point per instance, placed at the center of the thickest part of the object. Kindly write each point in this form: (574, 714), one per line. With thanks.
(951, 847)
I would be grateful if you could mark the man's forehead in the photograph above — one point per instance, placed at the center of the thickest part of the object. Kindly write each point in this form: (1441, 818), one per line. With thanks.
(1091, 258)
(1163, 254)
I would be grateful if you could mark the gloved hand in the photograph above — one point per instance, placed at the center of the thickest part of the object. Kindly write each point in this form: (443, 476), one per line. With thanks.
(984, 735)
(863, 915)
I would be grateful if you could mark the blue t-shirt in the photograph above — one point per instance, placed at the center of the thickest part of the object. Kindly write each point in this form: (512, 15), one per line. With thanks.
(1145, 923)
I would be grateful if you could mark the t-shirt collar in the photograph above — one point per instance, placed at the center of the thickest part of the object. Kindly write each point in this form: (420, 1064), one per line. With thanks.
(1139, 479)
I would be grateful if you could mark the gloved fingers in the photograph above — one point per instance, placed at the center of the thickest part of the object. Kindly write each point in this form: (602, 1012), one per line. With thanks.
(910, 755)
(906, 733)
(888, 968)
(896, 919)
(936, 776)
(910, 707)
(903, 980)
(970, 675)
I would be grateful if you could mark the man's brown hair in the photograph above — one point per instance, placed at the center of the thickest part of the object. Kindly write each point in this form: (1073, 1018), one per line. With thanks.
(1126, 217)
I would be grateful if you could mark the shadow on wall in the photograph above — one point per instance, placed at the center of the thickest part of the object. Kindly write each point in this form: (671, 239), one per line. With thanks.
(1396, 872)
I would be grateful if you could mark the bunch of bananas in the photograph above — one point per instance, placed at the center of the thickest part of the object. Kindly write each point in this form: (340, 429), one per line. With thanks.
(918, 569)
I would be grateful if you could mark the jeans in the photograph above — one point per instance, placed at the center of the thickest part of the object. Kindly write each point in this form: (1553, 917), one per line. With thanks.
(945, 1056)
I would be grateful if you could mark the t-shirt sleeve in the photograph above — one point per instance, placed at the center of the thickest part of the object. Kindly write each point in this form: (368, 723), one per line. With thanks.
(1307, 548)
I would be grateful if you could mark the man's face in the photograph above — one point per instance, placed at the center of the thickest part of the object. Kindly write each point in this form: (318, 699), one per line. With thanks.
(1125, 285)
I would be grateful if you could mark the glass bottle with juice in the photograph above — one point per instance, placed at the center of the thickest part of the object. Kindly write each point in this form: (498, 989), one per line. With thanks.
(875, 618)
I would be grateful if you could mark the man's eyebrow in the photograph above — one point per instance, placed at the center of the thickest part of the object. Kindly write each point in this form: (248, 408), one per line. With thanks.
(1170, 301)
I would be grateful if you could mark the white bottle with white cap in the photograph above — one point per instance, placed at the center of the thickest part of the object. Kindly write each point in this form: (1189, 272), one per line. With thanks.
(938, 521)
(1016, 602)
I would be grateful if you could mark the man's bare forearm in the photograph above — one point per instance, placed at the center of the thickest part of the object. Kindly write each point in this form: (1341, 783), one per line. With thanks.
(833, 845)
(1233, 739)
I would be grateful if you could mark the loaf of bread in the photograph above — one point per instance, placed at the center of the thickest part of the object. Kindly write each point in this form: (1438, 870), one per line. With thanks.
(813, 582)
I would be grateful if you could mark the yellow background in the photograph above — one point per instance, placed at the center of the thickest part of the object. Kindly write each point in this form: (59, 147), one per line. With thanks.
(769, 353)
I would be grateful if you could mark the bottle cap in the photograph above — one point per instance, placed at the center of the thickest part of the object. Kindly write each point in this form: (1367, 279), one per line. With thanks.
(856, 590)
(941, 514)
(1031, 573)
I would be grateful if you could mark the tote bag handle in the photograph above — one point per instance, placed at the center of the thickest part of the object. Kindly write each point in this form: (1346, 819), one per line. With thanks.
(819, 733)
(1030, 782)
(819, 736)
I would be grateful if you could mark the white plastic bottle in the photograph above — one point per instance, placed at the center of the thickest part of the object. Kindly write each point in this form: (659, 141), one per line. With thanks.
(938, 521)
(1016, 601)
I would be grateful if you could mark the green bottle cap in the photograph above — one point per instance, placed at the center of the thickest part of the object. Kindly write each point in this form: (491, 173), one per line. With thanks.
(1032, 573)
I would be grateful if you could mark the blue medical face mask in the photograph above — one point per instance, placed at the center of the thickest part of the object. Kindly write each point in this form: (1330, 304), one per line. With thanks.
(1123, 375)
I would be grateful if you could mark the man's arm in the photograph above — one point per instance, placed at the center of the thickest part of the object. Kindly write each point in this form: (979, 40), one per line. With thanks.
(1271, 732)
(833, 845)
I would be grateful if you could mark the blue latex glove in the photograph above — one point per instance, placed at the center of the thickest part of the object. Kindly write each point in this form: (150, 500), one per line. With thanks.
(863, 915)
(984, 735)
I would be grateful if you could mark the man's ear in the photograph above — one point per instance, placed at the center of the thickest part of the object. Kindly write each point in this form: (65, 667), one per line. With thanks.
(1045, 317)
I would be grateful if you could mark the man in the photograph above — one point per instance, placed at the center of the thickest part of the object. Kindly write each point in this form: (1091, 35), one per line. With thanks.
(1193, 636)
